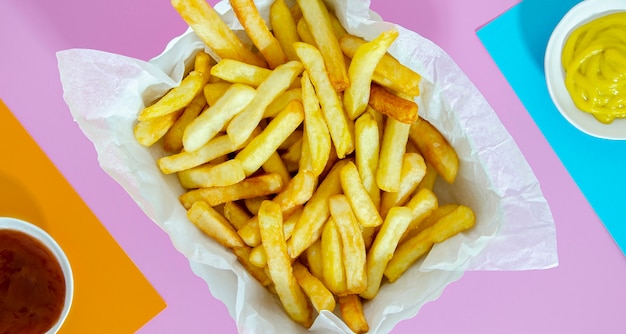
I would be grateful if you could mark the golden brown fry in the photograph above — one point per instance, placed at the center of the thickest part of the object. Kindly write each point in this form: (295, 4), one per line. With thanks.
(392, 151)
(352, 313)
(314, 259)
(384, 246)
(249, 188)
(316, 212)
(318, 19)
(423, 205)
(235, 71)
(297, 192)
(212, 175)
(332, 108)
(214, 32)
(257, 256)
(318, 137)
(284, 27)
(242, 125)
(333, 270)
(435, 148)
(321, 298)
(249, 17)
(176, 98)
(279, 264)
(430, 177)
(392, 105)
(389, 73)
(256, 153)
(235, 214)
(302, 28)
(215, 148)
(362, 205)
(173, 139)
(149, 132)
(354, 257)
(409, 251)
(361, 70)
(214, 225)
(208, 124)
(413, 171)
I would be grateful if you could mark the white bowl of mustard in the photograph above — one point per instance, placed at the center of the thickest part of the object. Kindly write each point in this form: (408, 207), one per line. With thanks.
(585, 67)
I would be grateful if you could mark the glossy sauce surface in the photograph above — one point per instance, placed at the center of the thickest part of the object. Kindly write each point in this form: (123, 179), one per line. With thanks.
(32, 284)
(594, 59)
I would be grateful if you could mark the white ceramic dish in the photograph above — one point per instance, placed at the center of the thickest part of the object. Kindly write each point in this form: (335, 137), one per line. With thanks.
(48, 241)
(582, 13)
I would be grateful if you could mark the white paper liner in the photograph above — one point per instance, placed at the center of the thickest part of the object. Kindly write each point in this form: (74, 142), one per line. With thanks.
(515, 229)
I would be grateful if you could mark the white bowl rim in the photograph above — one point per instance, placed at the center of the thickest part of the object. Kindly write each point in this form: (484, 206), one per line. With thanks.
(35, 231)
(583, 12)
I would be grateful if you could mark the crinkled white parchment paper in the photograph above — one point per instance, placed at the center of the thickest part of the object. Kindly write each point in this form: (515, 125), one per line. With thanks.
(515, 229)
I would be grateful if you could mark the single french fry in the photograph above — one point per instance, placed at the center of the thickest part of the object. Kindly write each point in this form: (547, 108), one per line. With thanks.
(352, 313)
(392, 151)
(241, 126)
(257, 256)
(354, 257)
(333, 270)
(384, 246)
(423, 204)
(215, 148)
(316, 212)
(435, 148)
(253, 204)
(302, 28)
(212, 175)
(206, 126)
(409, 251)
(173, 139)
(389, 73)
(367, 149)
(332, 108)
(256, 153)
(213, 224)
(362, 205)
(236, 215)
(249, 188)
(291, 156)
(281, 101)
(150, 131)
(213, 91)
(361, 70)
(392, 105)
(249, 17)
(318, 137)
(321, 298)
(413, 171)
(314, 259)
(235, 71)
(214, 32)
(279, 264)
(176, 98)
(284, 27)
(297, 192)
(318, 19)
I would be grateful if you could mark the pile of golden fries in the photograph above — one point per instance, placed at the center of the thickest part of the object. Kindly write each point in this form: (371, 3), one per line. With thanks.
(305, 155)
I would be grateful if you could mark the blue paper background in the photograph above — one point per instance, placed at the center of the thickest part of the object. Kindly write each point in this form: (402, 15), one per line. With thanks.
(517, 42)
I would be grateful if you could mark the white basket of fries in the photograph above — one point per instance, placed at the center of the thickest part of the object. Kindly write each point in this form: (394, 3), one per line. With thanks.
(334, 178)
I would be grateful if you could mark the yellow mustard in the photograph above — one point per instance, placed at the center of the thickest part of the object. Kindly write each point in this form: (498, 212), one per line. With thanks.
(594, 60)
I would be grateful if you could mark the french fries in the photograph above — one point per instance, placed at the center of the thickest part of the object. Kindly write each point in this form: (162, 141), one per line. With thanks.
(310, 162)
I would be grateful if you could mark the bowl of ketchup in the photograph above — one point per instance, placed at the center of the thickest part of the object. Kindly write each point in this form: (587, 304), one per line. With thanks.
(36, 282)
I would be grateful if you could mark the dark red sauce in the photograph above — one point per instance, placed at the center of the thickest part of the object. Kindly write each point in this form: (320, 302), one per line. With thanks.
(32, 285)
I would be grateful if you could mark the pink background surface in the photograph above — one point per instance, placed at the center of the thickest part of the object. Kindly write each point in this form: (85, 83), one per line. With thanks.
(586, 293)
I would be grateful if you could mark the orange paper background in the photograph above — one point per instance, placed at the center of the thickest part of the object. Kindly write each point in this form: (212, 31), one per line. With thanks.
(111, 295)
